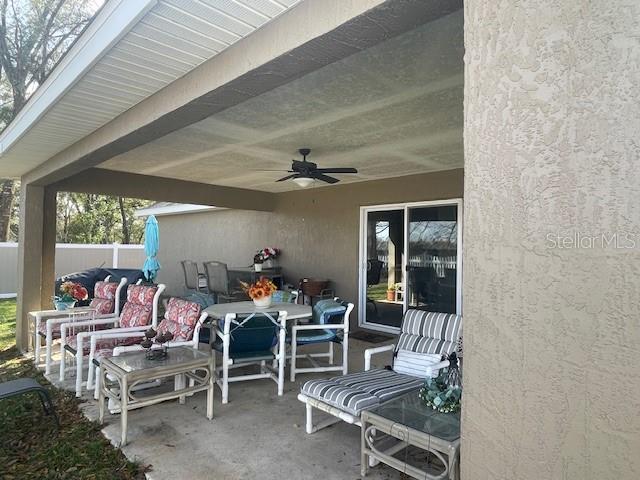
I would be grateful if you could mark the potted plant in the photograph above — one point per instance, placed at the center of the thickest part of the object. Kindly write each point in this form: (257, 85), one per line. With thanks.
(269, 254)
(391, 293)
(257, 262)
(70, 293)
(260, 292)
(265, 256)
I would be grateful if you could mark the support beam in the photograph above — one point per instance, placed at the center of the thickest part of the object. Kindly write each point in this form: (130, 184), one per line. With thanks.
(36, 255)
(48, 274)
(305, 38)
(109, 182)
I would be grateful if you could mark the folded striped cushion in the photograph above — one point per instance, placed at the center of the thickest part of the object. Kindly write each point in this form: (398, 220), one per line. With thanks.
(415, 364)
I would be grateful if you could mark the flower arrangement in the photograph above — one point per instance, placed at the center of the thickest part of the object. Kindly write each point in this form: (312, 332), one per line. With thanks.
(152, 335)
(263, 288)
(440, 396)
(71, 292)
(444, 392)
(267, 253)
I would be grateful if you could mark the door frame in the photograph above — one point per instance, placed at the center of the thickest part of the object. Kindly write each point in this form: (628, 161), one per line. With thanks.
(362, 256)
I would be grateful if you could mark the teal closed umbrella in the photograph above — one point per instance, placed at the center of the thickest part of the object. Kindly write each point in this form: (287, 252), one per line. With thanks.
(151, 247)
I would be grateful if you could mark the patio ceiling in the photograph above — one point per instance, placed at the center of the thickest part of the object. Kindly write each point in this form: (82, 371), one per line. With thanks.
(131, 50)
(393, 109)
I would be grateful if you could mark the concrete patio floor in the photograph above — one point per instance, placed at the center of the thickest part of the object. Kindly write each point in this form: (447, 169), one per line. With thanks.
(257, 435)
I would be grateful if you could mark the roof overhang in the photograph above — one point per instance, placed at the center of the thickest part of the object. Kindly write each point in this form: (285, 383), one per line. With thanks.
(302, 40)
(130, 51)
(111, 23)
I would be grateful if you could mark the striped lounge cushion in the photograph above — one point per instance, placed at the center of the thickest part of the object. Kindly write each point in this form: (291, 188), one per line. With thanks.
(359, 391)
(430, 332)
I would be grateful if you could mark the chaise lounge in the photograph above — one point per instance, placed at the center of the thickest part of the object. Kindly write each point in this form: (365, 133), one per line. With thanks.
(425, 337)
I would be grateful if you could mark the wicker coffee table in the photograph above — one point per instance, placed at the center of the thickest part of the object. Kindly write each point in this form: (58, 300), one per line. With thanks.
(409, 421)
(119, 375)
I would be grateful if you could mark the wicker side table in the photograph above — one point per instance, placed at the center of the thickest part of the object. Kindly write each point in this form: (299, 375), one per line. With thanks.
(410, 422)
(118, 376)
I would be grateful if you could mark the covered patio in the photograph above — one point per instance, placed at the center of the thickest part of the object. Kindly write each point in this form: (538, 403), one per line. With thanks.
(185, 102)
(256, 435)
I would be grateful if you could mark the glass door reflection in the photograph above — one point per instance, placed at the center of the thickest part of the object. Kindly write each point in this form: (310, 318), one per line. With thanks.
(384, 254)
(432, 258)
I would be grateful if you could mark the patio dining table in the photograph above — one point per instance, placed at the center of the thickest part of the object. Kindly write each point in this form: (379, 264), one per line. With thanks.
(294, 311)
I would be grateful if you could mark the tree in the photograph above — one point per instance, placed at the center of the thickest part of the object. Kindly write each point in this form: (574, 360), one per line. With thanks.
(88, 218)
(34, 34)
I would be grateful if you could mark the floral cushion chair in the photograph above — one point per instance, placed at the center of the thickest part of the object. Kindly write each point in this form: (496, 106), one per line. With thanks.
(182, 318)
(105, 303)
(138, 313)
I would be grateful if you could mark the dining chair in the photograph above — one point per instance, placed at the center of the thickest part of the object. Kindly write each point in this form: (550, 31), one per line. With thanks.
(217, 276)
(192, 275)
(329, 325)
(250, 339)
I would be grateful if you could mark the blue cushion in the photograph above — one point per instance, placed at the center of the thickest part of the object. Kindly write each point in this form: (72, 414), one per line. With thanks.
(328, 311)
(305, 337)
(325, 312)
(257, 332)
(281, 296)
(245, 356)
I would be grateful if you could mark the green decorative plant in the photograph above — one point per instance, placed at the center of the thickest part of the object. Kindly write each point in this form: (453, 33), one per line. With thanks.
(443, 393)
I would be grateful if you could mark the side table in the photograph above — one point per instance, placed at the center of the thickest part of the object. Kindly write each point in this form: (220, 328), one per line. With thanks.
(411, 423)
(118, 376)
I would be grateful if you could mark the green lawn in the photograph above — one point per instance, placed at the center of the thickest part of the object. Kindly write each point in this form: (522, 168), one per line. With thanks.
(377, 292)
(30, 447)
(7, 323)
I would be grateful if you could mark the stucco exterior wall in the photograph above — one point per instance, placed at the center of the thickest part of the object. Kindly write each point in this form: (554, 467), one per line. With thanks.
(552, 122)
(317, 230)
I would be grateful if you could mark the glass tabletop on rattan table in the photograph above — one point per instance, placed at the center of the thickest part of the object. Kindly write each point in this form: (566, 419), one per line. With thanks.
(137, 361)
(409, 410)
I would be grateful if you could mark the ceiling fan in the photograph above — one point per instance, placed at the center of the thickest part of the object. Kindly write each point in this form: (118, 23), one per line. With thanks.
(304, 173)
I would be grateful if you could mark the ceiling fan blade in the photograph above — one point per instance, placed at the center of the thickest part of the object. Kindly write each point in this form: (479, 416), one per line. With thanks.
(338, 170)
(279, 170)
(325, 178)
(288, 177)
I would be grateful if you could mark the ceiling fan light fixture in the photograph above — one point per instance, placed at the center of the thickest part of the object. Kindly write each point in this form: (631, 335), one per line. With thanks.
(303, 182)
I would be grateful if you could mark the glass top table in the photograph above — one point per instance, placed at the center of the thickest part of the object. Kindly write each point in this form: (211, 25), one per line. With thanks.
(191, 371)
(133, 362)
(410, 422)
(410, 411)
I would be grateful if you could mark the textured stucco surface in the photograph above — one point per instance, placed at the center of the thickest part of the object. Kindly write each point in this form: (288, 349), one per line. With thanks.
(317, 230)
(552, 335)
(394, 109)
(307, 37)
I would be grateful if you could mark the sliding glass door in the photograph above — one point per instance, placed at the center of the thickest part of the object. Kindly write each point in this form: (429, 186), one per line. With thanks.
(409, 258)
(383, 272)
(432, 260)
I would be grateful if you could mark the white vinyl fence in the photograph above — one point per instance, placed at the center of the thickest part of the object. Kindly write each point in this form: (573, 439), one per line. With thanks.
(70, 257)
(440, 264)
